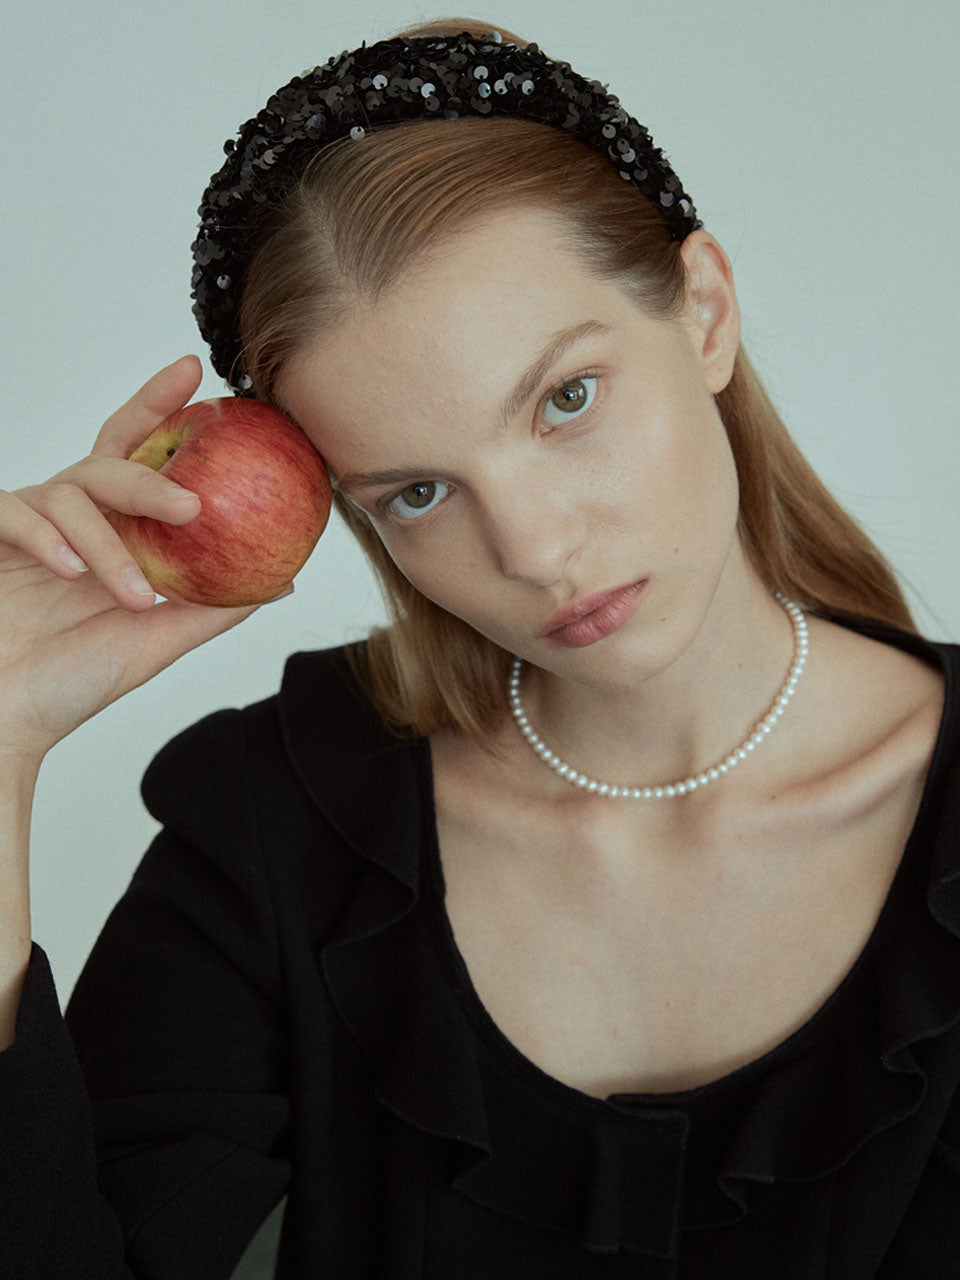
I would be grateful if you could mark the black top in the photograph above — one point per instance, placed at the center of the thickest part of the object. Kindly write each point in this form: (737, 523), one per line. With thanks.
(277, 1005)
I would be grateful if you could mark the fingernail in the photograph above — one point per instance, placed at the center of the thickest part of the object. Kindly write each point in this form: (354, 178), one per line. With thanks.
(175, 491)
(72, 560)
(136, 582)
(288, 591)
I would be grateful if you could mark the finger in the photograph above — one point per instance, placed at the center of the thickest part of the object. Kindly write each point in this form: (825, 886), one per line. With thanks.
(159, 397)
(118, 485)
(80, 525)
(26, 529)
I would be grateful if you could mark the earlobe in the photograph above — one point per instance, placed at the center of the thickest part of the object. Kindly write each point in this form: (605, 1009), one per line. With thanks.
(711, 308)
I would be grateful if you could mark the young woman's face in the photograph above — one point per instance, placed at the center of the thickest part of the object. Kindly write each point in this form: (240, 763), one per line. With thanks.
(507, 488)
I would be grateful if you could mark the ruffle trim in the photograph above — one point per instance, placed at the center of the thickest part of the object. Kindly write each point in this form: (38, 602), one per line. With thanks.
(612, 1173)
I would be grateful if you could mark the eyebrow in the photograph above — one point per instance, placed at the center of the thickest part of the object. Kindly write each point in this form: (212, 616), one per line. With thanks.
(526, 384)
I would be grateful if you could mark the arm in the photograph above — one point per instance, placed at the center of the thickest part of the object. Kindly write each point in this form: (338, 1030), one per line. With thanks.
(17, 781)
(76, 634)
(151, 1140)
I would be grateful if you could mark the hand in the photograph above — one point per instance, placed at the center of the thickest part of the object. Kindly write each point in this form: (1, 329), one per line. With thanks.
(79, 625)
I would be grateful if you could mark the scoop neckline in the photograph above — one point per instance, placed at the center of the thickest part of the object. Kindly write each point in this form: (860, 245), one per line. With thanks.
(787, 1050)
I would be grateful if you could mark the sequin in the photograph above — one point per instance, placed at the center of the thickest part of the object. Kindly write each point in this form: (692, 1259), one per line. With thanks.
(385, 83)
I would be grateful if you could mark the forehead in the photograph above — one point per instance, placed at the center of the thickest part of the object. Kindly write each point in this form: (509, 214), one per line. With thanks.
(451, 336)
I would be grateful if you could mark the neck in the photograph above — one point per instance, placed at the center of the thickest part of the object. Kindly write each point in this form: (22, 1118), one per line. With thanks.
(676, 703)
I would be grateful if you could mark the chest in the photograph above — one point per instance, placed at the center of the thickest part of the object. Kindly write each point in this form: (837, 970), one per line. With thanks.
(676, 973)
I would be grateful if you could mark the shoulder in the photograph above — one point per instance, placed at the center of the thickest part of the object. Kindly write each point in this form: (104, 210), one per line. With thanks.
(322, 678)
(316, 743)
(318, 697)
(327, 684)
(879, 702)
(880, 681)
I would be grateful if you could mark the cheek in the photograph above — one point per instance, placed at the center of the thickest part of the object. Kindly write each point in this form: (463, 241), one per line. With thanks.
(460, 587)
(713, 497)
(436, 571)
(681, 481)
(721, 480)
(713, 502)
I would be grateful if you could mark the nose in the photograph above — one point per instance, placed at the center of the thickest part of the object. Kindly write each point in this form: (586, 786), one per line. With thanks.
(534, 533)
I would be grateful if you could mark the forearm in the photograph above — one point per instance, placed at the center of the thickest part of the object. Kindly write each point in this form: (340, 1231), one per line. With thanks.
(17, 782)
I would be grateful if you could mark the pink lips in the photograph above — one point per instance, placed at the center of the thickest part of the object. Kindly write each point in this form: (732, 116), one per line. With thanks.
(593, 617)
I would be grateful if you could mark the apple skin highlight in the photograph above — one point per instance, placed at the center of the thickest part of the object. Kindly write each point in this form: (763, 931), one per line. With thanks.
(265, 500)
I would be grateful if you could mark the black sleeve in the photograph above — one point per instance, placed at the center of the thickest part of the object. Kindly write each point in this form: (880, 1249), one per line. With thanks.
(151, 1141)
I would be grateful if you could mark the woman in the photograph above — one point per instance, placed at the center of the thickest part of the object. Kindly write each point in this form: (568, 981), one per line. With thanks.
(673, 995)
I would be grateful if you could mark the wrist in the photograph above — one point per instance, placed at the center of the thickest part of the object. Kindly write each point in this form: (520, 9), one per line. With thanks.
(18, 778)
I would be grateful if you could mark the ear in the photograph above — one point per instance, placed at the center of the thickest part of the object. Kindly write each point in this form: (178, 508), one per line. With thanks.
(711, 313)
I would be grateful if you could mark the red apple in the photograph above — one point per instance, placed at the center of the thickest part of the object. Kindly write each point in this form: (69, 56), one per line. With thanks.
(265, 500)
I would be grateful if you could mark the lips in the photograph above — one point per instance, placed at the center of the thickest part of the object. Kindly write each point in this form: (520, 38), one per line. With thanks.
(594, 616)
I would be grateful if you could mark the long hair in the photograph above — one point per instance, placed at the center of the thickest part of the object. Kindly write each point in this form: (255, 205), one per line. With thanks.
(362, 214)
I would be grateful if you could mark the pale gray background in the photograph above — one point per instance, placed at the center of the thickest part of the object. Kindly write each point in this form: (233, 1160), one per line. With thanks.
(818, 140)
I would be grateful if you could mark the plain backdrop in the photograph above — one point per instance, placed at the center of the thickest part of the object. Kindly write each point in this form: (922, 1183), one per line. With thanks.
(818, 141)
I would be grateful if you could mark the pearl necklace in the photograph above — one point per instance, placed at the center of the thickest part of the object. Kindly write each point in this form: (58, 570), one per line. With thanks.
(801, 646)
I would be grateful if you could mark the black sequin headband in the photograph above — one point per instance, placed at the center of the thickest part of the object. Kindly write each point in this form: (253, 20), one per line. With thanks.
(442, 77)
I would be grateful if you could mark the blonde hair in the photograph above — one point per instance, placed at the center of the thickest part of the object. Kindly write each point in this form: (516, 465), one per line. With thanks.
(362, 214)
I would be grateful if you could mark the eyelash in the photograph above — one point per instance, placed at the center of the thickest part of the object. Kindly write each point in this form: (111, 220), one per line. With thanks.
(588, 375)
